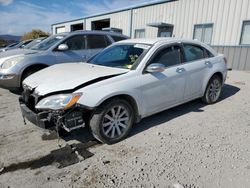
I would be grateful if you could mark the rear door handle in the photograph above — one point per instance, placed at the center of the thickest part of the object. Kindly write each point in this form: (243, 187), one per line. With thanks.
(180, 70)
(208, 63)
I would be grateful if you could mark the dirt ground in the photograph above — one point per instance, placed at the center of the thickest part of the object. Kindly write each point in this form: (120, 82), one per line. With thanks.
(194, 145)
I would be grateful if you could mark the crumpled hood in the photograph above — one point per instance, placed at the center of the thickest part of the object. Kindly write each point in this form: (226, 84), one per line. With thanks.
(67, 76)
(15, 52)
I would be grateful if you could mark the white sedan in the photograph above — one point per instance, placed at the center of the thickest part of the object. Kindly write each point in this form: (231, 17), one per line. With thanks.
(124, 83)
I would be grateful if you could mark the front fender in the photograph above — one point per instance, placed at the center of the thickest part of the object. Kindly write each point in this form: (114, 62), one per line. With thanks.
(95, 100)
(125, 84)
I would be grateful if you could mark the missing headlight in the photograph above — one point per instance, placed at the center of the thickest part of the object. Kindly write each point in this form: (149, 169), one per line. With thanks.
(72, 121)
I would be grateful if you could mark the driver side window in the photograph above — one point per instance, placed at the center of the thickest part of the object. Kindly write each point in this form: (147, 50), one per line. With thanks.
(169, 56)
(76, 42)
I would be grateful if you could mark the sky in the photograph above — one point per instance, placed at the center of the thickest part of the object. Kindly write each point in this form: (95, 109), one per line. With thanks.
(20, 16)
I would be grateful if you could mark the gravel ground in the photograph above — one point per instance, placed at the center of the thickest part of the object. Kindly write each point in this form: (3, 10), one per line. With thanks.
(191, 146)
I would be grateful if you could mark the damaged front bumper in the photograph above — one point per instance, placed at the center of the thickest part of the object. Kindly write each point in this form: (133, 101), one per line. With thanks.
(42, 119)
(70, 120)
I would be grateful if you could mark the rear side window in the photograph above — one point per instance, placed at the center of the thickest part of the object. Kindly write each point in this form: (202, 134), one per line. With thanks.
(168, 56)
(97, 41)
(193, 52)
(118, 38)
(76, 42)
(209, 54)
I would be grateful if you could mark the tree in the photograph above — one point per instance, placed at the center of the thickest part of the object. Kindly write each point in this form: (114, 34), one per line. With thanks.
(35, 33)
(2, 42)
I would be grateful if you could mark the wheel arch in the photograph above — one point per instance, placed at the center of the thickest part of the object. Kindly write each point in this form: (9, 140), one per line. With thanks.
(218, 73)
(131, 100)
(30, 67)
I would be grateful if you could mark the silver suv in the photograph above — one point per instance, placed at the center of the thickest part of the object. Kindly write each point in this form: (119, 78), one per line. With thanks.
(77, 46)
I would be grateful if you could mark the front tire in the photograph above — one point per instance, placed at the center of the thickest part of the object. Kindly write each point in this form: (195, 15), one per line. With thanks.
(213, 90)
(112, 121)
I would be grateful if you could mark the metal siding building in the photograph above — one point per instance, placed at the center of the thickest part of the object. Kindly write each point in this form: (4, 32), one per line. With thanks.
(66, 26)
(221, 23)
(119, 20)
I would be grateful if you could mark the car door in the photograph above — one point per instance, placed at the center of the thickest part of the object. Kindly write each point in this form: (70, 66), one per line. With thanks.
(161, 90)
(95, 43)
(76, 50)
(196, 64)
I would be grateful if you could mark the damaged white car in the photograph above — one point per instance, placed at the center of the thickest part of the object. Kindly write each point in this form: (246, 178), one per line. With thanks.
(124, 83)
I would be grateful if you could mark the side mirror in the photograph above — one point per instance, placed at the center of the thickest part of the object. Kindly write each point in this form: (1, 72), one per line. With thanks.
(155, 67)
(62, 47)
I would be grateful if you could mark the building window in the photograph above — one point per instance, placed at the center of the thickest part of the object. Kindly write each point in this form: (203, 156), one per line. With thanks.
(60, 29)
(245, 33)
(76, 27)
(140, 33)
(203, 33)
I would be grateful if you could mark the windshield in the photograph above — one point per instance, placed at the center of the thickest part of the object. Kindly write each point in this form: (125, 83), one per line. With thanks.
(47, 43)
(121, 55)
(33, 43)
(24, 43)
(13, 44)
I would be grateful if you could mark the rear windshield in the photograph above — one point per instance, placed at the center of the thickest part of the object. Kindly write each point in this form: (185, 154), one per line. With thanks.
(118, 38)
(14, 44)
(33, 43)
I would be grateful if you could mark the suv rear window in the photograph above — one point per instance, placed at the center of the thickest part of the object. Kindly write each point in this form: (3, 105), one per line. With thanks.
(97, 41)
(118, 38)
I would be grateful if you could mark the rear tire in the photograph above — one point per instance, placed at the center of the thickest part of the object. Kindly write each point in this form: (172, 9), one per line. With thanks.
(112, 121)
(213, 90)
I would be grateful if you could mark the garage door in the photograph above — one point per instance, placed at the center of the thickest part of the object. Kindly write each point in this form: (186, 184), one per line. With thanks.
(60, 29)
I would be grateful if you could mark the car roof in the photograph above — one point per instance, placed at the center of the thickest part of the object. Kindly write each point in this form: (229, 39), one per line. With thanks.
(166, 40)
(159, 40)
(95, 32)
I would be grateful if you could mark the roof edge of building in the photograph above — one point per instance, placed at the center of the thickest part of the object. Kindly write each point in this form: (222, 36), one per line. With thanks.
(118, 10)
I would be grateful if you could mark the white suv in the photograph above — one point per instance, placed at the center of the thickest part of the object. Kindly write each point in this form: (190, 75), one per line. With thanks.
(126, 82)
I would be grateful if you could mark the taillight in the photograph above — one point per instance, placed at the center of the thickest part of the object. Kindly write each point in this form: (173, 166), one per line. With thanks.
(225, 60)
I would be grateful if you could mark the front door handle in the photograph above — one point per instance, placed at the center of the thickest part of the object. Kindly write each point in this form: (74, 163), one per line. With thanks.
(208, 63)
(180, 70)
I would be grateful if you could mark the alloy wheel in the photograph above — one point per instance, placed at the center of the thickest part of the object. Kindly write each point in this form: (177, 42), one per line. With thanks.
(115, 121)
(214, 90)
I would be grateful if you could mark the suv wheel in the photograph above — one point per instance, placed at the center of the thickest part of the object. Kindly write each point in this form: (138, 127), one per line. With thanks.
(112, 121)
(213, 90)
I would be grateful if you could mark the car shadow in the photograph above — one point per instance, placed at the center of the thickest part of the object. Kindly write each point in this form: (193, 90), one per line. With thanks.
(82, 135)
(167, 115)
